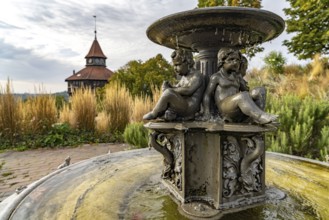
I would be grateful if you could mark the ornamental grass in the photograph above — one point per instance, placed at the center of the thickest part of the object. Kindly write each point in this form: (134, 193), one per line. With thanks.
(118, 105)
(10, 114)
(83, 110)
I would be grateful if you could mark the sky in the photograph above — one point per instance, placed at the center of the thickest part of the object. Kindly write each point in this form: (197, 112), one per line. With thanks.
(43, 41)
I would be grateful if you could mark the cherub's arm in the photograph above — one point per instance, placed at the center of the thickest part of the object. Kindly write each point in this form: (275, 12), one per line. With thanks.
(243, 84)
(194, 83)
(166, 85)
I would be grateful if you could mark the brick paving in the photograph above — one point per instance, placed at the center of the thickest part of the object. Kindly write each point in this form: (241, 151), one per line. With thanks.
(18, 169)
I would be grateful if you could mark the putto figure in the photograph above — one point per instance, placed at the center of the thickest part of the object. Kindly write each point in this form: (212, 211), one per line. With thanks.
(233, 100)
(182, 101)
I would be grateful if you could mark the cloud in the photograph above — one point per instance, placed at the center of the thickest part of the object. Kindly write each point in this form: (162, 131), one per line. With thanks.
(4, 25)
(24, 64)
(44, 41)
(9, 52)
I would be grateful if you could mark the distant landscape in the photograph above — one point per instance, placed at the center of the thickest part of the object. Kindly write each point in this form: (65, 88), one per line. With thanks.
(25, 96)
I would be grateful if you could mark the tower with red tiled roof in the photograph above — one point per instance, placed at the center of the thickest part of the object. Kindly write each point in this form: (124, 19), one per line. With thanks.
(95, 74)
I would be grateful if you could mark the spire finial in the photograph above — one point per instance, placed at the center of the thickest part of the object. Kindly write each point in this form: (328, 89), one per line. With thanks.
(95, 27)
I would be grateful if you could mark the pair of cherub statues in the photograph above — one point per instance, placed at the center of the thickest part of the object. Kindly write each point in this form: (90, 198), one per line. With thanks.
(227, 89)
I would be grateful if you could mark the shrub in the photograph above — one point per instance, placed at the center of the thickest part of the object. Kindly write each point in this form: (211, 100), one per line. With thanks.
(303, 127)
(136, 134)
(323, 144)
(275, 62)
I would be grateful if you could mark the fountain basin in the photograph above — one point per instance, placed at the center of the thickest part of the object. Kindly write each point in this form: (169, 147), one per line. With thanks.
(127, 185)
(215, 27)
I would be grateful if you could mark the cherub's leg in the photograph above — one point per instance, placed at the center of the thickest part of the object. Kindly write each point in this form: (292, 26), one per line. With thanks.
(168, 100)
(246, 104)
(258, 94)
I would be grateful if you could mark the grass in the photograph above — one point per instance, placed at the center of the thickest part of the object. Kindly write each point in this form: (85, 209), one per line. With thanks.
(309, 80)
(83, 107)
(102, 122)
(10, 115)
(39, 114)
(86, 119)
(117, 103)
(142, 105)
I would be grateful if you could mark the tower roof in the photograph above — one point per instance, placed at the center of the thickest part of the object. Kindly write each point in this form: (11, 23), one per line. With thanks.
(95, 50)
(91, 73)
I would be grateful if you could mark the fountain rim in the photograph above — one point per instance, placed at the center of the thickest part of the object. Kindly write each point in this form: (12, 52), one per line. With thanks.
(255, 12)
(297, 158)
(10, 204)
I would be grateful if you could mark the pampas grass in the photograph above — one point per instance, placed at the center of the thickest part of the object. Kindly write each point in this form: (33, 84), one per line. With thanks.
(40, 113)
(10, 114)
(102, 123)
(83, 107)
(117, 103)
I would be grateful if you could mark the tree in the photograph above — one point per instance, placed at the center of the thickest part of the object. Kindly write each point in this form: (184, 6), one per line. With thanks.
(275, 62)
(309, 20)
(139, 77)
(241, 3)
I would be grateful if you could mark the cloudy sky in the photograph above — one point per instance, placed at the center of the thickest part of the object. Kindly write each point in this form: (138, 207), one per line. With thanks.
(43, 41)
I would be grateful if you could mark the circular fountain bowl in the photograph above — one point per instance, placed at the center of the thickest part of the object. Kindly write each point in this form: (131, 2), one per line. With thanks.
(216, 27)
(127, 185)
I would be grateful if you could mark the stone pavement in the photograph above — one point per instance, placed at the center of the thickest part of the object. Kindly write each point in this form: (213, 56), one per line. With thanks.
(18, 169)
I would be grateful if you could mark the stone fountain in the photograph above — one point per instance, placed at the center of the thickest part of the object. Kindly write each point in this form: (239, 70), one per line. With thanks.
(214, 163)
(210, 126)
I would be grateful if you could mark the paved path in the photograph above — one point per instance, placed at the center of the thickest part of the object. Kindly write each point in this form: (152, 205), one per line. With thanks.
(22, 168)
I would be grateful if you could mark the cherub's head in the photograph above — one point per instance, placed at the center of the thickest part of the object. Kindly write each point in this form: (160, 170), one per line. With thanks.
(224, 53)
(182, 56)
(229, 60)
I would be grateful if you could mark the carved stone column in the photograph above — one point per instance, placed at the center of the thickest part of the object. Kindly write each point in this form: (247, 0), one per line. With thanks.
(211, 167)
(208, 61)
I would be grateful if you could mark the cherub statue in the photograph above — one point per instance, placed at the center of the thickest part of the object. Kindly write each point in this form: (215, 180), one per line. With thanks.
(232, 98)
(182, 101)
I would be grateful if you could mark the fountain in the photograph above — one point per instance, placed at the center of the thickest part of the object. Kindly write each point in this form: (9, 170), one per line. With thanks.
(214, 159)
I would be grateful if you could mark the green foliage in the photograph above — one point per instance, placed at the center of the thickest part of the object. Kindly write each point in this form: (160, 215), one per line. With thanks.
(242, 3)
(59, 135)
(303, 127)
(323, 144)
(139, 77)
(252, 51)
(309, 21)
(275, 62)
(136, 134)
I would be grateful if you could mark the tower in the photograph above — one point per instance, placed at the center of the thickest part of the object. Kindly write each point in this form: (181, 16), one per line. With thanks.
(95, 74)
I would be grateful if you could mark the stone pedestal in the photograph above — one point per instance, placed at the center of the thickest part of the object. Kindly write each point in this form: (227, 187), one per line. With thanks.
(212, 167)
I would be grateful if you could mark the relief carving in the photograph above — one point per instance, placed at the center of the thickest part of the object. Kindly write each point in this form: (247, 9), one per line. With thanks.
(231, 166)
(242, 170)
(170, 146)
